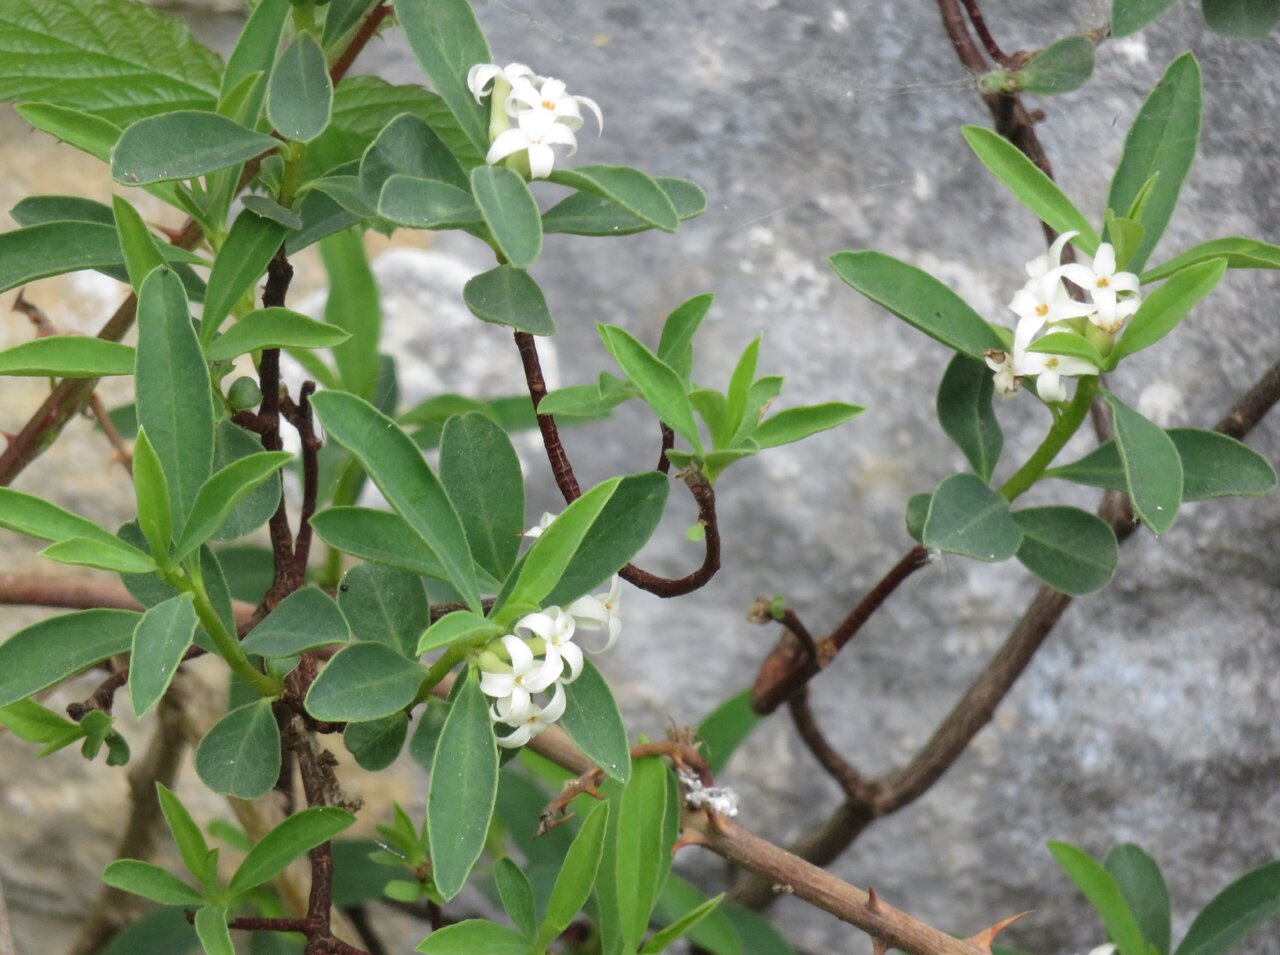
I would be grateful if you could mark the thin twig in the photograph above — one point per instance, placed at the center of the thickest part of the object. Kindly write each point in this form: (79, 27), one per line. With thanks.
(567, 482)
(123, 453)
(850, 780)
(81, 593)
(984, 34)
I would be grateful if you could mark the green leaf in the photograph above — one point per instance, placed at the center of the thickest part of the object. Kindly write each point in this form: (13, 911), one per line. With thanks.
(630, 189)
(379, 536)
(90, 134)
(38, 518)
(364, 681)
(212, 929)
(110, 58)
(1213, 465)
(353, 306)
(461, 625)
(1069, 549)
(30, 721)
(1103, 894)
(407, 146)
(481, 474)
(409, 485)
(160, 930)
(150, 882)
(509, 296)
(676, 345)
(1126, 234)
(677, 929)
(464, 785)
(1068, 343)
(175, 400)
(592, 720)
(1239, 253)
(384, 605)
(724, 728)
(141, 254)
(1152, 467)
(52, 248)
(297, 834)
(240, 756)
(917, 514)
(190, 841)
(1059, 68)
(517, 896)
(219, 495)
(1234, 912)
(625, 524)
(643, 853)
(967, 517)
(550, 554)
(268, 208)
(744, 373)
(306, 619)
(1243, 19)
(115, 556)
(510, 212)
(183, 144)
(427, 204)
(232, 443)
(918, 299)
(67, 356)
(796, 424)
(584, 401)
(422, 745)
(1162, 141)
(250, 246)
(1130, 16)
(447, 42)
(376, 744)
(577, 875)
(966, 415)
(1162, 310)
(663, 389)
(714, 933)
(586, 214)
(273, 328)
(1140, 882)
(471, 936)
(255, 53)
(161, 639)
(34, 210)
(300, 96)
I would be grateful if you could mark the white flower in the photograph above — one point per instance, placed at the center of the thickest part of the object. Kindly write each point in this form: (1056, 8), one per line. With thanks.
(1044, 299)
(1011, 368)
(556, 627)
(535, 132)
(543, 523)
(514, 690)
(1101, 280)
(601, 612)
(481, 76)
(1107, 949)
(1051, 259)
(552, 102)
(532, 721)
(1110, 315)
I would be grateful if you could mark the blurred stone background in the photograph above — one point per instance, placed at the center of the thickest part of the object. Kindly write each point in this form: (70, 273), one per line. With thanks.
(815, 126)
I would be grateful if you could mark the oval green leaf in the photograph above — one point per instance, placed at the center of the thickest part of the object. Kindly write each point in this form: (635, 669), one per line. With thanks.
(151, 882)
(481, 474)
(306, 619)
(577, 875)
(378, 536)
(1151, 464)
(463, 789)
(1162, 310)
(592, 720)
(663, 389)
(1242, 19)
(630, 189)
(796, 424)
(273, 328)
(364, 681)
(1239, 253)
(510, 212)
(67, 356)
(240, 756)
(474, 935)
(1142, 885)
(219, 496)
(376, 744)
(966, 517)
(427, 204)
(1103, 894)
(918, 299)
(586, 214)
(161, 639)
(183, 144)
(1071, 550)
(509, 296)
(1059, 68)
(965, 412)
(250, 246)
(384, 605)
(300, 95)
(1234, 912)
(48, 652)
(296, 835)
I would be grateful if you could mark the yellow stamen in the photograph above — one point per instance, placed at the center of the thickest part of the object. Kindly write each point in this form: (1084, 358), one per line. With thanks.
(1042, 310)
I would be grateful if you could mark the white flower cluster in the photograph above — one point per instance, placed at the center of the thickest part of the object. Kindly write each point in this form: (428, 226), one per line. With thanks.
(546, 114)
(1043, 304)
(513, 673)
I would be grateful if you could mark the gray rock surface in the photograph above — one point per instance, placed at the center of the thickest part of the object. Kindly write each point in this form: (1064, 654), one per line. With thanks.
(1151, 713)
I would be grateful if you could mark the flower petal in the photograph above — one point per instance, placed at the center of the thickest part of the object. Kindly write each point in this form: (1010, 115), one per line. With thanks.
(1104, 261)
(511, 141)
(591, 105)
(521, 655)
(555, 709)
(541, 161)
(518, 737)
(480, 76)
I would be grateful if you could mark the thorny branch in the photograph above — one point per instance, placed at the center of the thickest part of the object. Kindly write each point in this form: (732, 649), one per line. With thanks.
(567, 481)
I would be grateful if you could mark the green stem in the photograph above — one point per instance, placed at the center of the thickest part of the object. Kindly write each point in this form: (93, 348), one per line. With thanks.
(227, 644)
(1068, 423)
(291, 177)
(440, 669)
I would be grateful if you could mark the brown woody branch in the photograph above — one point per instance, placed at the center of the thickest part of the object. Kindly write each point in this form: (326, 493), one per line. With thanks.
(81, 593)
(567, 482)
